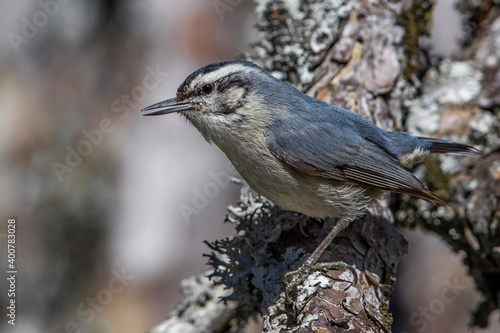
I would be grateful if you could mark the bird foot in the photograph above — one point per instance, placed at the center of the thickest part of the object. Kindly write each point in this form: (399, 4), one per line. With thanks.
(295, 278)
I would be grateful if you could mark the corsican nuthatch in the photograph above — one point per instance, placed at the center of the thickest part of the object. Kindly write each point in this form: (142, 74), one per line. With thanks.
(301, 153)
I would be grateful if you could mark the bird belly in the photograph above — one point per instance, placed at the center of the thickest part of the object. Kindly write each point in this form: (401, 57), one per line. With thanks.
(286, 187)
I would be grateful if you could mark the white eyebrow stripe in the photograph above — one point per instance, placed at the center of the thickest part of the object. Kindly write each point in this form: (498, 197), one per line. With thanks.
(218, 74)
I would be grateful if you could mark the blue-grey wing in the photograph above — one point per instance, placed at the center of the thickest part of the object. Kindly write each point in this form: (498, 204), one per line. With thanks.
(346, 153)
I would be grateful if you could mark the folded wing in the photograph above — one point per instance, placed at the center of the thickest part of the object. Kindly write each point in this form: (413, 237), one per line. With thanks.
(342, 154)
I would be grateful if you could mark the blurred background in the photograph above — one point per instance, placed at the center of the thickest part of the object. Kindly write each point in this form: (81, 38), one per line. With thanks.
(112, 208)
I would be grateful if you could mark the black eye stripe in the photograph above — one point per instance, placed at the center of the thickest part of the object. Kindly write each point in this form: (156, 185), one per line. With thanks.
(221, 85)
(231, 81)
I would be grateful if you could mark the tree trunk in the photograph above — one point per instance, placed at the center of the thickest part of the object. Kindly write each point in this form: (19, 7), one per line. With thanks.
(365, 56)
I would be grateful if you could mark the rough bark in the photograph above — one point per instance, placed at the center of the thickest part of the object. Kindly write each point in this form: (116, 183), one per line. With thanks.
(463, 95)
(365, 56)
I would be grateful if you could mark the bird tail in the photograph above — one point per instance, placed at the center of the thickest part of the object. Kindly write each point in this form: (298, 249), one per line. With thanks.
(444, 146)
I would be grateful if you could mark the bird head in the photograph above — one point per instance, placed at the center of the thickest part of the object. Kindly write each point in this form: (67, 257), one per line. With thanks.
(217, 93)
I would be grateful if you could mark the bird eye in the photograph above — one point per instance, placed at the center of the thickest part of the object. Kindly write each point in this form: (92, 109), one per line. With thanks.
(207, 88)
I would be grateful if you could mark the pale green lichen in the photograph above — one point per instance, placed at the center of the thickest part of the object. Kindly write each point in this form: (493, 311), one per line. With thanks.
(294, 34)
(454, 82)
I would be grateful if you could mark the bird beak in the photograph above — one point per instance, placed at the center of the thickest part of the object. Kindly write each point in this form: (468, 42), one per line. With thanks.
(168, 106)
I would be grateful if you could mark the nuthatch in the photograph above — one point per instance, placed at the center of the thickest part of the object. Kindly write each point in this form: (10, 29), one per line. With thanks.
(301, 153)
